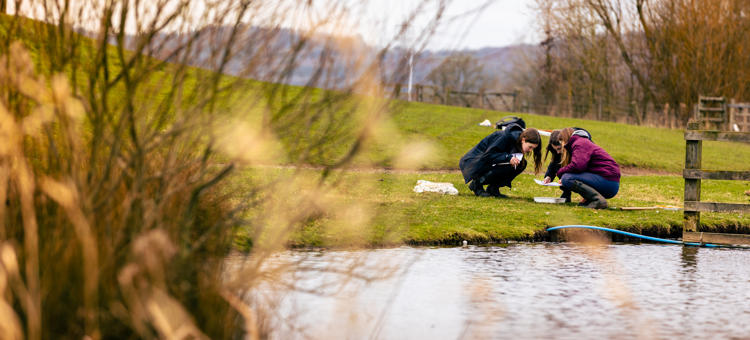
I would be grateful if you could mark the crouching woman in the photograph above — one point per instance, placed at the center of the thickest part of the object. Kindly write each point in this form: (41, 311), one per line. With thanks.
(492, 161)
(587, 170)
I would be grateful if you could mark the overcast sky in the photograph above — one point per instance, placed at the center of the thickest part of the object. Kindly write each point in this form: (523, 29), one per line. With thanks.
(498, 23)
(501, 23)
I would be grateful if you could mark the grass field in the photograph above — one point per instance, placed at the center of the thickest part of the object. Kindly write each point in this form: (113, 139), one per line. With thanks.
(454, 130)
(399, 215)
(402, 216)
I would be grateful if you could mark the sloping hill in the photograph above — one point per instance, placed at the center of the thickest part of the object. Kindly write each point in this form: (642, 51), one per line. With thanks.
(455, 130)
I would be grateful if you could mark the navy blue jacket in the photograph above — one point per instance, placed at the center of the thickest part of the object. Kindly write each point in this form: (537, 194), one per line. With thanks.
(498, 147)
(553, 166)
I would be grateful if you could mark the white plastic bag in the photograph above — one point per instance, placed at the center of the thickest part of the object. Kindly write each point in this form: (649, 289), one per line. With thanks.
(442, 188)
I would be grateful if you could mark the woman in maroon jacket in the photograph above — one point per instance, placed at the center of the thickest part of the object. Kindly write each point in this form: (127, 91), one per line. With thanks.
(588, 170)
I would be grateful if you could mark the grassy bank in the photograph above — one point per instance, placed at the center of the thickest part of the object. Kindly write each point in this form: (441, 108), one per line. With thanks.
(398, 215)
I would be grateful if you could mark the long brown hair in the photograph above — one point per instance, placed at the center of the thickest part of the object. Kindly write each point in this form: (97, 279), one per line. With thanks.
(564, 138)
(531, 135)
(553, 139)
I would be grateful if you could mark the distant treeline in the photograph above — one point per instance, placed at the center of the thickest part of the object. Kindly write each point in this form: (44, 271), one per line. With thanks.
(638, 61)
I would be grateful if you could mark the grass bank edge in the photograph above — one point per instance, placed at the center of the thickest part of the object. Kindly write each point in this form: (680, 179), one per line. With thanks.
(403, 217)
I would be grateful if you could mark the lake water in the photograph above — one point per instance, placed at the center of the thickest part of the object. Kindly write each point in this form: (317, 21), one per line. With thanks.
(515, 291)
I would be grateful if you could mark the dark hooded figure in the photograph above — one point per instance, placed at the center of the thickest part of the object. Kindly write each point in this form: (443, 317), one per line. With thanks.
(492, 162)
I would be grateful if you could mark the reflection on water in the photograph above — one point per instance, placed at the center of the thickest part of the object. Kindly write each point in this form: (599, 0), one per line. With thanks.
(519, 291)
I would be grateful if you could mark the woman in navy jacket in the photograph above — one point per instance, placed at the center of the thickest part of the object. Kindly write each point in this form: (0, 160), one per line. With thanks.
(492, 161)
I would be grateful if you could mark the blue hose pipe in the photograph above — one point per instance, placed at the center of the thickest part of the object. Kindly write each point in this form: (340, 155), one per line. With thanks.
(656, 239)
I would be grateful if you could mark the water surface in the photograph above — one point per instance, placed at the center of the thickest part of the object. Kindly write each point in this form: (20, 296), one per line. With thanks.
(518, 291)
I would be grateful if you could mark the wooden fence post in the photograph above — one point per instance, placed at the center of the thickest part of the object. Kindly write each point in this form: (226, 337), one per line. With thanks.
(731, 112)
(693, 148)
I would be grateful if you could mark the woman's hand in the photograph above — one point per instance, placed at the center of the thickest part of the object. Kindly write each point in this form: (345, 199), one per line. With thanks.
(514, 162)
(547, 180)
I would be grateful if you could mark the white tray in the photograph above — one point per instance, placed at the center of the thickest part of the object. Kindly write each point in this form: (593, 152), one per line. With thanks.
(549, 200)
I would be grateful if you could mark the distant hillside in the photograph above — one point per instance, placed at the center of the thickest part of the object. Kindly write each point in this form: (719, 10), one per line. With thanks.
(501, 63)
(345, 54)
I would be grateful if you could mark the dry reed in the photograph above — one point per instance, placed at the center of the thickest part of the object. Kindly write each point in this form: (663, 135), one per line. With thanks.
(119, 159)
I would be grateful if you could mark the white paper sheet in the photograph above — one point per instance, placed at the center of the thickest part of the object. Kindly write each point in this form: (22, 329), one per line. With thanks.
(550, 184)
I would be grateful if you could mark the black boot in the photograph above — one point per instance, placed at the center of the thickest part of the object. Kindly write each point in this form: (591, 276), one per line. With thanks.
(494, 191)
(478, 189)
(594, 199)
(566, 195)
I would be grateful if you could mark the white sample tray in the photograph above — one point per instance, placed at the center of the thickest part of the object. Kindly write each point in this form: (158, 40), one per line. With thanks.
(549, 200)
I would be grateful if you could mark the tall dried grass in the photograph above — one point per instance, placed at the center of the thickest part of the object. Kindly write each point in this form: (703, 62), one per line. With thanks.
(90, 250)
(116, 166)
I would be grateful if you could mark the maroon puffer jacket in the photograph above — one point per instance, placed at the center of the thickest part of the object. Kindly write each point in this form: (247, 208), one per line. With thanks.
(585, 156)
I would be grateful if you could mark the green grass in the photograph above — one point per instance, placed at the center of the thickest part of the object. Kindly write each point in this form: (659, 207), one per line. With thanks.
(455, 130)
(403, 216)
(406, 217)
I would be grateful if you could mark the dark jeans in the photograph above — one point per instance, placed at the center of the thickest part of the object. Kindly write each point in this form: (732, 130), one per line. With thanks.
(608, 189)
(502, 175)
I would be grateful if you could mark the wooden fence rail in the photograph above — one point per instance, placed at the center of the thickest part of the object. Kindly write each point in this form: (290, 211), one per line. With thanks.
(707, 116)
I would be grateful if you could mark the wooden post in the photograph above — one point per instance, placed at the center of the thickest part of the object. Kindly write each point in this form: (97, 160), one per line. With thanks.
(481, 98)
(693, 148)
(725, 115)
(446, 94)
(732, 118)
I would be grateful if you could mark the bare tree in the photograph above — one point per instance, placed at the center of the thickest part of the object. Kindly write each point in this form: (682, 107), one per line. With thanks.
(656, 54)
(460, 72)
